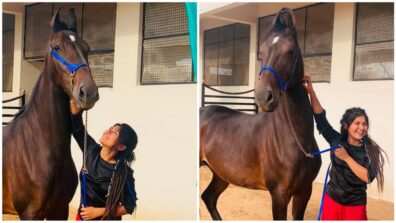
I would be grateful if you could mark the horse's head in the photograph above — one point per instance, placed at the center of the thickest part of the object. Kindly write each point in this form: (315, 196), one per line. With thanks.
(280, 56)
(67, 59)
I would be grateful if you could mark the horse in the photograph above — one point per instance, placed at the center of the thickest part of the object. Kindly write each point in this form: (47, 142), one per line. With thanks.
(269, 150)
(39, 175)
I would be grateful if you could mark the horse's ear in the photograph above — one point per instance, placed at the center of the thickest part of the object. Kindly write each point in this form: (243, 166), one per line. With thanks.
(284, 18)
(72, 20)
(56, 24)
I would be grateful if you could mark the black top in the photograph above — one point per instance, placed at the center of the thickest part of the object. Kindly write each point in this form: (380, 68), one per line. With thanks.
(100, 173)
(344, 186)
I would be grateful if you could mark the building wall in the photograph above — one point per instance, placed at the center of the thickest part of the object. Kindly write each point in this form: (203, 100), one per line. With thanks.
(164, 117)
(377, 97)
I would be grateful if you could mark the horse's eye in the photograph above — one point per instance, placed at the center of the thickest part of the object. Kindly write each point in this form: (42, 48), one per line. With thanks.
(56, 48)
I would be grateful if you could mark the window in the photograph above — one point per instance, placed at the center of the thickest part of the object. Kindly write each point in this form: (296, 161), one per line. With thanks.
(314, 26)
(8, 51)
(166, 45)
(97, 31)
(374, 42)
(226, 55)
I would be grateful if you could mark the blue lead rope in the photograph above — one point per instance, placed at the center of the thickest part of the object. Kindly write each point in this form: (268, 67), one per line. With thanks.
(327, 175)
(323, 193)
(84, 185)
(326, 150)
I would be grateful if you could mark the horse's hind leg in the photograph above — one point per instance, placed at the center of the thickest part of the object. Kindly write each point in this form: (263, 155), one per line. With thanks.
(212, 193)
(300, 201)
(280, 200)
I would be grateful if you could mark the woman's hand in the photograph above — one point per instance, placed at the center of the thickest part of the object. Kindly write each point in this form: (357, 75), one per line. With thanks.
(308, 84)
(90, 213)
(360, 171)
(74, 109)
(342, 154)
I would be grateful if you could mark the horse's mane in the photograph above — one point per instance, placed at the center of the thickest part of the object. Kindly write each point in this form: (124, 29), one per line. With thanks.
(26, 106)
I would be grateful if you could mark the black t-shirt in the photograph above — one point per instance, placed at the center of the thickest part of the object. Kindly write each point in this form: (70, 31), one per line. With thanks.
(344, 186)
(100, 173)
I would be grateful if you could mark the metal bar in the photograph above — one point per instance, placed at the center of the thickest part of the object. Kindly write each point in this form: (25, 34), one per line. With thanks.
(23, 99)
(166, 83)
(220, 96)
(228, 103)
(225, 92)
(12, 107)
(317, 55)
(8, 115)
(166, 36)
(373, 42)
(203, 95)
(252, 110)
(13, 99)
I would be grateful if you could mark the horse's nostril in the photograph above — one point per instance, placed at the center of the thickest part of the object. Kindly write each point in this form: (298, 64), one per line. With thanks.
(82, 94)
(269, 96)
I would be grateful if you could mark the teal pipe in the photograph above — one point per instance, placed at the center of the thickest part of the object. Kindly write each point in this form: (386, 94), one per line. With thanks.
(191, 9)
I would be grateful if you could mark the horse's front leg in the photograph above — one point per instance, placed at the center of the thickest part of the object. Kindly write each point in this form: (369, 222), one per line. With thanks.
(31, 213)
(300, 201)
(280, 200)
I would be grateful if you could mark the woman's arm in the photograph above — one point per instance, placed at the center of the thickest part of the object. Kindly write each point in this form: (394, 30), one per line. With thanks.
(360, 171)
(78, 128)
(323, 126)
(316, 106)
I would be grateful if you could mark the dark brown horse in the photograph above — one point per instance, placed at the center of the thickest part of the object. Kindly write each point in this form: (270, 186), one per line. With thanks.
(39, 175)
(262, 151)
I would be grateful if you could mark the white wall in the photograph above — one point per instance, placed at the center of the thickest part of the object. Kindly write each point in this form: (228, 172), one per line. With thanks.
(164, 117)
(377, 97)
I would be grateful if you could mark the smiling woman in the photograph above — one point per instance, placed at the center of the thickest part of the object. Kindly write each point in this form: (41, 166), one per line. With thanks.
(357, 163)
(109, 188)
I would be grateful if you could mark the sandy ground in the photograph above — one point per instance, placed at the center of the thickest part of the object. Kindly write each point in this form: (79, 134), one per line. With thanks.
(72, 215)
(238, 203)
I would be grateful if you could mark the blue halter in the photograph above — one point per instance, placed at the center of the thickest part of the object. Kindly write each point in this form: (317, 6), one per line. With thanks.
(282, 84)
(71, 67)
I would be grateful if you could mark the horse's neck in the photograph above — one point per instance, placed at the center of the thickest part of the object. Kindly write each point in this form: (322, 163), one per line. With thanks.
(50, 105)
(298, 104)
(295, 109)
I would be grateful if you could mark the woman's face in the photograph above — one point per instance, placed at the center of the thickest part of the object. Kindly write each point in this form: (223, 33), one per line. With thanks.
(110, 136)
(358, 128)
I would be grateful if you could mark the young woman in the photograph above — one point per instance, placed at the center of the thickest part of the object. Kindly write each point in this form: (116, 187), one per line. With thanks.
(357, 163)
(110, 186)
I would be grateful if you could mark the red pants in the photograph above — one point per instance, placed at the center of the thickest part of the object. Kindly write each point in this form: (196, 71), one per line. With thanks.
(335, 211)
(78, 217)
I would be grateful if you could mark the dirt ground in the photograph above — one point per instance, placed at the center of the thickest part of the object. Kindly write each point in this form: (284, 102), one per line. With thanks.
(72, 215)
(238, 203)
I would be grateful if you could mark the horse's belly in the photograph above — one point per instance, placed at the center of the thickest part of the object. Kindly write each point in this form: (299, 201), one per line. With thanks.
(249, 176)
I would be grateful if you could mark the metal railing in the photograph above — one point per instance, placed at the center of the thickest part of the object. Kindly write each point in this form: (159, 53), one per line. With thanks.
(10, 114)
(239, 102)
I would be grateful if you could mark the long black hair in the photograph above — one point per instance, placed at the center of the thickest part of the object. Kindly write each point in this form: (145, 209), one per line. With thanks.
(373, 149)
(121, 172)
